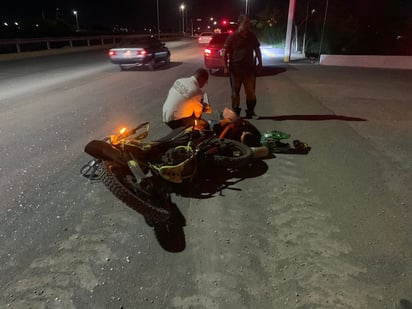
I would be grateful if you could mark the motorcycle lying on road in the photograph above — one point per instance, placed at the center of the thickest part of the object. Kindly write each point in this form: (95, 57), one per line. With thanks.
(143, 173)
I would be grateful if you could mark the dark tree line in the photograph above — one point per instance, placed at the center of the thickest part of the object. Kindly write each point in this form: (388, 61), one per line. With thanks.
(349, 27)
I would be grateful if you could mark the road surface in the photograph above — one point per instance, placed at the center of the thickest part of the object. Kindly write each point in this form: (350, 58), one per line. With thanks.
(331, 229)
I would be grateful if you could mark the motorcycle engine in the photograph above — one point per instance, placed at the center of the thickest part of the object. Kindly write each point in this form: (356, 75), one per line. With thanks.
(179, 164)
(175, 156)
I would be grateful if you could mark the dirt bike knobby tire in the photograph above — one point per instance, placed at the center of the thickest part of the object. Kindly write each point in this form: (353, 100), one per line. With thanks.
(232, 154)
(128, 196)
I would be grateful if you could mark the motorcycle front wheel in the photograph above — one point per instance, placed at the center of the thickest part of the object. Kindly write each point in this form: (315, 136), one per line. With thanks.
(120, 181)
(230, 153)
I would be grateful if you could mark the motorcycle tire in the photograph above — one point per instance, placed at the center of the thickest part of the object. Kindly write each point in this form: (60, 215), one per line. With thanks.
(231, 153)
(115, 178)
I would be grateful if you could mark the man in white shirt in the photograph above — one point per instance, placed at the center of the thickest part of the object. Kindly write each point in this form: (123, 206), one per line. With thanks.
(185, 102)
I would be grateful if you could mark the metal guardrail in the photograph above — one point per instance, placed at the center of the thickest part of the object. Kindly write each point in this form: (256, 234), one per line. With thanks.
(46, 43)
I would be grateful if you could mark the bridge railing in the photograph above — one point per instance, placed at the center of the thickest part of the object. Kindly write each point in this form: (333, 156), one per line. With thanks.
(46, 43)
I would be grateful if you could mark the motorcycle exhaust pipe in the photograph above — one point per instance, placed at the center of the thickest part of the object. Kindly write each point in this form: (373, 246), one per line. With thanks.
(104, 151)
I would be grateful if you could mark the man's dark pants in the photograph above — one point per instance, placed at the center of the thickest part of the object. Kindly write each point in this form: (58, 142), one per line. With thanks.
(249, 83)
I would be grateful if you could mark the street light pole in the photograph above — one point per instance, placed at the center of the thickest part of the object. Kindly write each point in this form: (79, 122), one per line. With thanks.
(158, 20)
(182, 7)
(247, 8)
(288, 42)
(323, 28)
(306, 28)
(77, 21)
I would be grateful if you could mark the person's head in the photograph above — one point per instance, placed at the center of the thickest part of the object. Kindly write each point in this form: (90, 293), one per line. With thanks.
(243, 23)
(202, 77)
(230, 115)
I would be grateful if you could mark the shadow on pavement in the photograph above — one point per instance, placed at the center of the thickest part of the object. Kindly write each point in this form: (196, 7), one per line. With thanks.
(171, 236)
(404, 304)
(270, 71)
(265, 71)
(158, 67)
(210, 181)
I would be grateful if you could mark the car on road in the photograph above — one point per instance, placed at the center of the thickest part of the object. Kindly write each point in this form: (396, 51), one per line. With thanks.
(213, 52)
(204, 38)
(147, 51)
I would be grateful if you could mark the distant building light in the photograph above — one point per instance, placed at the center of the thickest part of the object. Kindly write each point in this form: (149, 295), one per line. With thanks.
(6, 24)
(16, 23)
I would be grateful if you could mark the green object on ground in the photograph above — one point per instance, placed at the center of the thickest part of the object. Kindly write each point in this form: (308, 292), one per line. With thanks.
(270, 137)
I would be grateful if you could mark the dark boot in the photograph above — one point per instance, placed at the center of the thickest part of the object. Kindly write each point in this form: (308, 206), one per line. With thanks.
(250, 111)
(235, 105)
(237, 110)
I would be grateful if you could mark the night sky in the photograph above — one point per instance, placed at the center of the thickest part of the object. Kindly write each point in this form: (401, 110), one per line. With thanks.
(139, 14)
(129, 13)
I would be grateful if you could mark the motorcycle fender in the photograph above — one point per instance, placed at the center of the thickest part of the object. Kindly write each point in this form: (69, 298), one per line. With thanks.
(104, 151)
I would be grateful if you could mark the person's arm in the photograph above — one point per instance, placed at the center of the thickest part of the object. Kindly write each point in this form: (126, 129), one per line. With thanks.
(206, 106)
(225, 56)
(198, 106)
(198, 110)
(259, 58)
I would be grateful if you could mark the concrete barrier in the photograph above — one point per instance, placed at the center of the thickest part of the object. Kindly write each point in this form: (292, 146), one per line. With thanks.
(67, 49)
(369, 61)
(49, 52)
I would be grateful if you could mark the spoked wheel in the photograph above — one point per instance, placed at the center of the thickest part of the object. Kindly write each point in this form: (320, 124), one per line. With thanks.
(120, 182)
(229, 153)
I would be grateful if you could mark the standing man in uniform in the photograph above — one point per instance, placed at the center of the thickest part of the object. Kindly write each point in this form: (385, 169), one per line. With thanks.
(241, 50)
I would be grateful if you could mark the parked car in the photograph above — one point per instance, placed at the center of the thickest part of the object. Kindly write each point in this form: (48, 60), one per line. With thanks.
(213, 52)
(204, 38)
(140, 51)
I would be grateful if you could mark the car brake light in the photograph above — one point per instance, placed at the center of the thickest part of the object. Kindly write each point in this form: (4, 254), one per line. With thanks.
(207, 51)
(142, 52)
(112, 53)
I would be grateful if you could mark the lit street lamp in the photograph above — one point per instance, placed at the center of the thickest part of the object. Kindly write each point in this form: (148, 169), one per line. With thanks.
(182, 7)
(77, 21)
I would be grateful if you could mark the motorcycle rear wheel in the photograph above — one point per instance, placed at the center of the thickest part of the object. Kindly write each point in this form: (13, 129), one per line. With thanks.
(118, 180)
(231, 153)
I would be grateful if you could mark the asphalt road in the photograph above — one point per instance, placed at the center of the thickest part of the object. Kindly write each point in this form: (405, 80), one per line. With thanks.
(331, 229)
